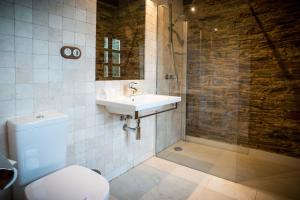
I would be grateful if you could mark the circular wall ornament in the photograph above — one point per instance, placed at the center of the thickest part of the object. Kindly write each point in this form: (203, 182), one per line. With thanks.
(76, 53)
(70, 52)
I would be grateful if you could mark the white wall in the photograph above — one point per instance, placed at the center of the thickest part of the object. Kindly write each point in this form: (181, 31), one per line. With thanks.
(34, 78)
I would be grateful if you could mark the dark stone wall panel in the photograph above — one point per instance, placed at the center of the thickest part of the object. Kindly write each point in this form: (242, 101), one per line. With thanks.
(244, 73)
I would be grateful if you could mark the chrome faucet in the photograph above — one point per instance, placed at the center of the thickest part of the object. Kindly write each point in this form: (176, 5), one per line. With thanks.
(133, 88)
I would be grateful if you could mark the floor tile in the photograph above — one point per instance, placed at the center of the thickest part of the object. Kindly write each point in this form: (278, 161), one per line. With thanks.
(207, 194)
(159, 179)
(257, 172)
(231, 189)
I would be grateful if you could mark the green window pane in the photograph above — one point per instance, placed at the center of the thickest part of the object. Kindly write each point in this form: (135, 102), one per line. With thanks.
(105, 42)
(105, 57)
(116, 44)
(105, 68)
(116, 71)
(116, 58)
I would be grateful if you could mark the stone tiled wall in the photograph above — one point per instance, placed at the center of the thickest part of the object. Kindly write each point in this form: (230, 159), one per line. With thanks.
(243, 72)
(34, 78)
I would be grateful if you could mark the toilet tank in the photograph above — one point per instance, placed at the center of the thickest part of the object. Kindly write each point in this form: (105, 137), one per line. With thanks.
(38, 144)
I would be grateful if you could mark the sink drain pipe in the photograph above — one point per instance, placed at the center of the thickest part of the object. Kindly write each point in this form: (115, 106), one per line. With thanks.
(138, 117)
(136, 129)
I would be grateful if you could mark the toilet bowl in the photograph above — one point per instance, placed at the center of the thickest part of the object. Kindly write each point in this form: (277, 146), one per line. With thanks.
(73, 182)
(39, 145)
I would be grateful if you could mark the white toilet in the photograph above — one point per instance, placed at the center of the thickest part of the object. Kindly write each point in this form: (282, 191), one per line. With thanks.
(39, 144)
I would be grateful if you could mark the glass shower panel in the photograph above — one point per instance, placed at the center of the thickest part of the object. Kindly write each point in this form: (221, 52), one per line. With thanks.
(200, 64)
(213, 86)
(235, 65)
(213, 96)
(171, 77)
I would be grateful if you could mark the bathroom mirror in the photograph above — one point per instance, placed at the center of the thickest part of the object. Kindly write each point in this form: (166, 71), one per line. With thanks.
(120, 39)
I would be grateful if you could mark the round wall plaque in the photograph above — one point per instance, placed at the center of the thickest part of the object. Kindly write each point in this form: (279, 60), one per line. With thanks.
(70, 52)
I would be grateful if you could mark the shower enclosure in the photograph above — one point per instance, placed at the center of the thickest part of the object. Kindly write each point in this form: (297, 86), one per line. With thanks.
(234, 63)
(171, 72)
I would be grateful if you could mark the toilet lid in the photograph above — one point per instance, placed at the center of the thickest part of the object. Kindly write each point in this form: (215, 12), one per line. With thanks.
(73, 182)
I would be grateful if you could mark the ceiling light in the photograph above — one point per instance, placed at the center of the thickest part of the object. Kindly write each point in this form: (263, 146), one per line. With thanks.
(193, 9)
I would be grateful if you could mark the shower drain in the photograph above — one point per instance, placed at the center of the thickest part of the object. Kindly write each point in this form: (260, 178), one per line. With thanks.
(177, 148)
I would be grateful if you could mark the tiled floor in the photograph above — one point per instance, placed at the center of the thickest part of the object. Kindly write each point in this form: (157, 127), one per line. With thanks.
(268, 177)
(159, 179)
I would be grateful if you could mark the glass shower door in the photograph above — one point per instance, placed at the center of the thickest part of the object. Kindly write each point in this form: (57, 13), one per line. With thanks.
(171, 77)
(202, 67)
(232, 63)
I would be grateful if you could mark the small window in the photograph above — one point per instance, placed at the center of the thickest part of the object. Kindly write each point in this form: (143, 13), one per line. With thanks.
(111, 57)
(105, 42)
(116, 71)
(116, 58)
(105, 68)
(116, 44)
(105, 57)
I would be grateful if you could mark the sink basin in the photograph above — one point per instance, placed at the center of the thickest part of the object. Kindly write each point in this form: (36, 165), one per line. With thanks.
(129, 105)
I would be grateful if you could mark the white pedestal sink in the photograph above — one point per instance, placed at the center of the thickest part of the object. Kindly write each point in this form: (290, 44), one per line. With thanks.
(124, 105)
